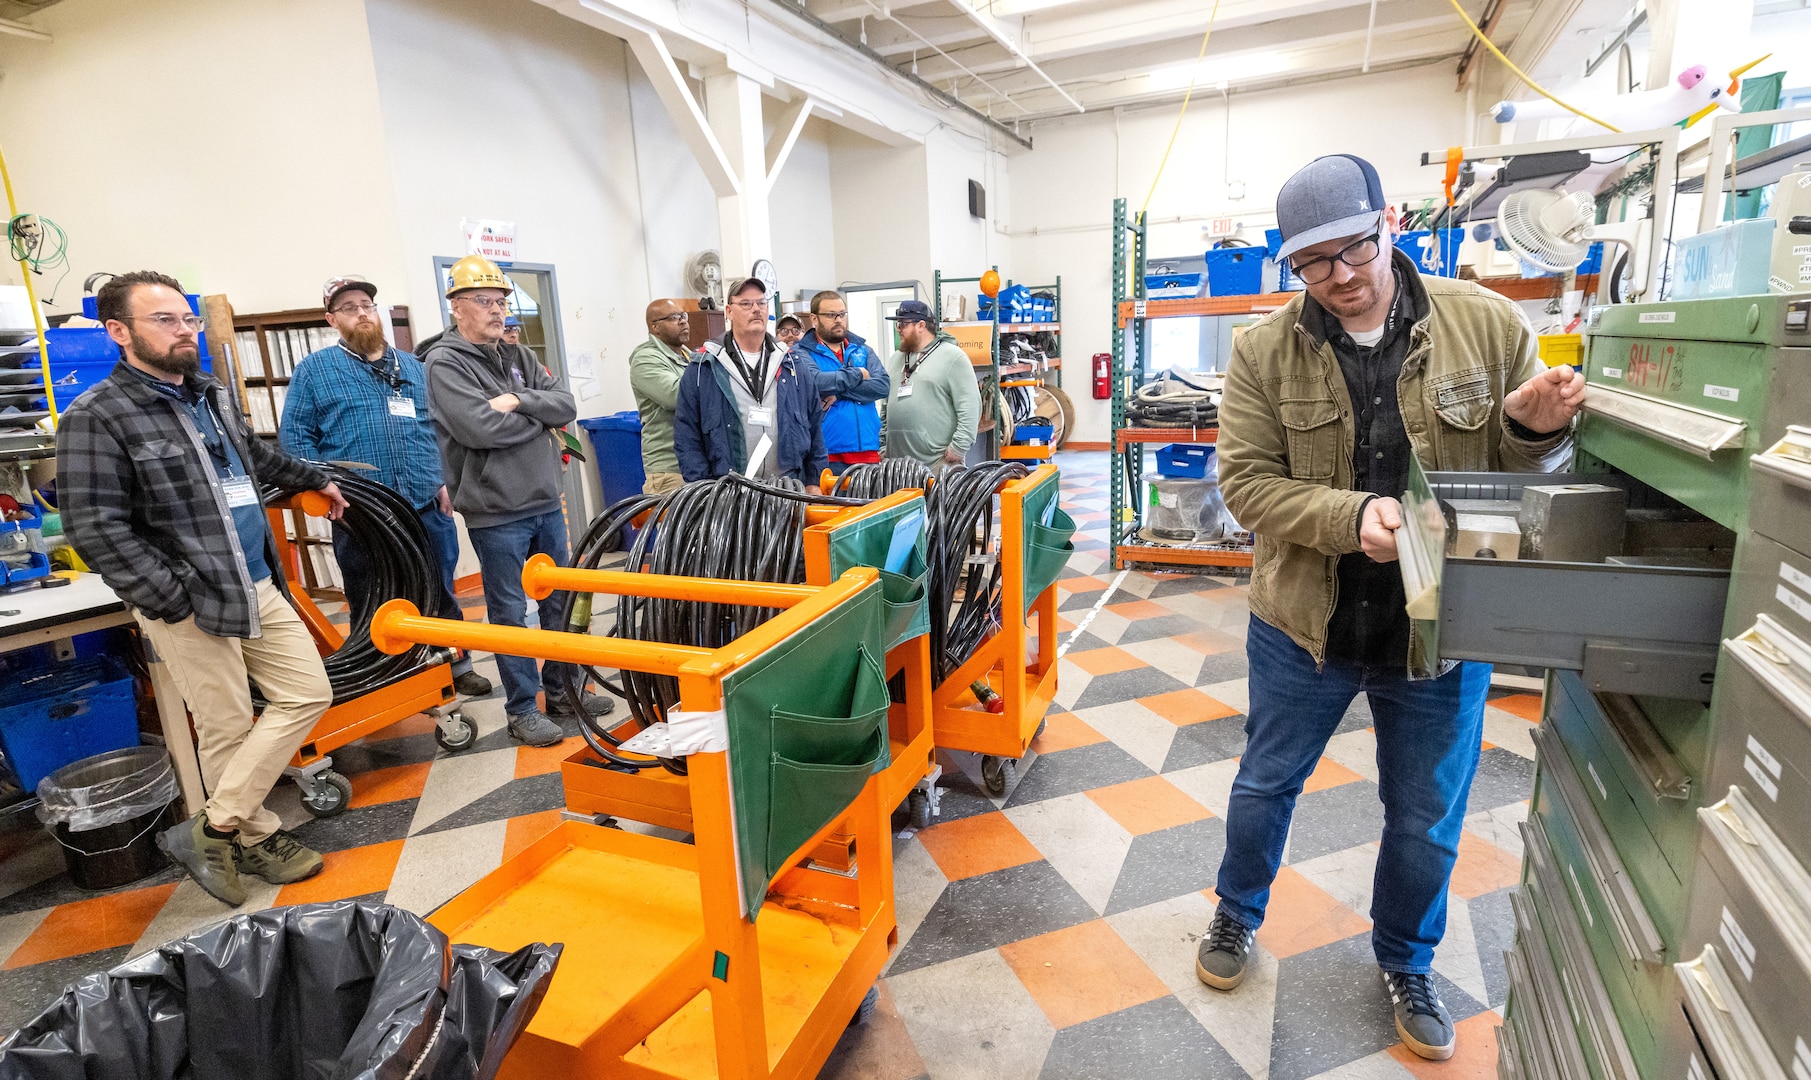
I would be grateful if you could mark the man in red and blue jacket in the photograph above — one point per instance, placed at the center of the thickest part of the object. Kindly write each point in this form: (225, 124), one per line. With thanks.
(851, 379)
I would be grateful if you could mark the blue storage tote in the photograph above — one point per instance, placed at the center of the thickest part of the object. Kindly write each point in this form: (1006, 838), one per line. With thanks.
(1418, 245)
(1235, 271)
(1171, 286)
(67, 713)
(1185, 461)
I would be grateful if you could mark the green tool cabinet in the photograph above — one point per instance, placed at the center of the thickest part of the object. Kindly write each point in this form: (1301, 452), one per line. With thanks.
(1663, 926)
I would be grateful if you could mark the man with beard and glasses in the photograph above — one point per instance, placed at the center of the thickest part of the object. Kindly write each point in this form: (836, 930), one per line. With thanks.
(497, 414)
(158, 477)
(1329, 402)
(363, 401)
(747, 405)
(851, 379)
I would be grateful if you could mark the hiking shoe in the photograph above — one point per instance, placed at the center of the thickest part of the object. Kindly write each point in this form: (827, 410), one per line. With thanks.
(1220, 962)
(1421, 1017)
(208, 859)
(471, 684)
(559, 705)
(535, 729)
(279, 859)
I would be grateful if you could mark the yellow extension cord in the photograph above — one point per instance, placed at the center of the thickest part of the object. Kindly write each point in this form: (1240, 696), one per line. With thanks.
(1523, 75)
(1180, 114)
(31, 296)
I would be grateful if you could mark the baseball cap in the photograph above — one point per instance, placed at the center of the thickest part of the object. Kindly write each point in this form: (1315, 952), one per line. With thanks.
(510, 322)
(335, 286)
(912, 311)
(1330, 197)
(736, 286)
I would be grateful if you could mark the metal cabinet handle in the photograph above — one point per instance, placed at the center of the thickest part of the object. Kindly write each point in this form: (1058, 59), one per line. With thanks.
(1643, 746)
(1789, 459)
(1697, 431)
(1734, 1041)
(1779, 659)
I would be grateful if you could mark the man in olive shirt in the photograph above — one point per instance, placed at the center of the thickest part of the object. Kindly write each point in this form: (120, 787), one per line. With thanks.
(654, 370)
(933, 404)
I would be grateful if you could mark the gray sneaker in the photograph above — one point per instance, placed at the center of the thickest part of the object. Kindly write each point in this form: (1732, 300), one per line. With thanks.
(535, 729)
(208, 859)
(1421, 1017)
(1220, 962)
(559, 705)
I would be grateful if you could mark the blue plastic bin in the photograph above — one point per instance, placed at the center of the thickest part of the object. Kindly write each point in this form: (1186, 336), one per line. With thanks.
(616, 450)
(1235, 271)
(65, 714)
(1185, 461)
(1418, 245)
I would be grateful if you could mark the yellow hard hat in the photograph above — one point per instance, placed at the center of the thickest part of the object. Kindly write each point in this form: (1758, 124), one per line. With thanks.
(477, 272)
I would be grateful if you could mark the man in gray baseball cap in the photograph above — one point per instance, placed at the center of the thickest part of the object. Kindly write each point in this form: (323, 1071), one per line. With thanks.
(1328, 400)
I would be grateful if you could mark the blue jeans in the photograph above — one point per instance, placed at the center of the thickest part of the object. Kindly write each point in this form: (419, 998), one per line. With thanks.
(1428, 739)
(443, 542)
(502, 551)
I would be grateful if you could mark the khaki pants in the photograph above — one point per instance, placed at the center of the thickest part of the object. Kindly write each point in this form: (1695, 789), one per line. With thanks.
(662, 482)
(241, 760)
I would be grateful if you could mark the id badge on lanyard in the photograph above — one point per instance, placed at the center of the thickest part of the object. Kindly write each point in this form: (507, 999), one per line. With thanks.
(402, 406)
(240, 491)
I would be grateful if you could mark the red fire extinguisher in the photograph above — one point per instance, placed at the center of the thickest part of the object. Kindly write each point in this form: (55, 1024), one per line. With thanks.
(1103, 376)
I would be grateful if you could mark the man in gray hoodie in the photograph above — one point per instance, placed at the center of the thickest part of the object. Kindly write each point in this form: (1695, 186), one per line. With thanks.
(497, 412)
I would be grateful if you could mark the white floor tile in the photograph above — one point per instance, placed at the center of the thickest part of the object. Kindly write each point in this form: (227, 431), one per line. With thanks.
(972, 1019)
(1081, 841)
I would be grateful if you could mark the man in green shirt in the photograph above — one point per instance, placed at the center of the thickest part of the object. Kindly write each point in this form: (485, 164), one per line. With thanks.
(933, 405)
(654, 370)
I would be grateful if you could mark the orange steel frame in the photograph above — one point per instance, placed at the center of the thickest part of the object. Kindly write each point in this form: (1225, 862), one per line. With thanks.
(663, 975)
(349, 720)
(660, 797)
(1026, 682)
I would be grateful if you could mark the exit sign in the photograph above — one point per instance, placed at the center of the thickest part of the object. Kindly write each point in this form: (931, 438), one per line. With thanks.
(1221, 226)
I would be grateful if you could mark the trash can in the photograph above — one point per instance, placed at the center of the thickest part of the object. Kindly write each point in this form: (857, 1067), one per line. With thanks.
(616, 450)
(106, 811)
(347, 989)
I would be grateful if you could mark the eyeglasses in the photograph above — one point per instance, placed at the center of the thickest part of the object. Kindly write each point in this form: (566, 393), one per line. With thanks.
(1315, 271)
(833, 316)
(749, 305)
(485, 303)
(169, 322)
(356, 309)
(680, 315)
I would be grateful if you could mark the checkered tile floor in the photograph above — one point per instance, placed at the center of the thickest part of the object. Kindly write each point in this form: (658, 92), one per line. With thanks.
(1050, 933)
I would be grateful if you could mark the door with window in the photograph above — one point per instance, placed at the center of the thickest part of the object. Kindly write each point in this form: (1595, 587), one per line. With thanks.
(535, 305)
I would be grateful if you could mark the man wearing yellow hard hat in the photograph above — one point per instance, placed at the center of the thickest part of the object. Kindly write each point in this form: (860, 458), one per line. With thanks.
(496, 411)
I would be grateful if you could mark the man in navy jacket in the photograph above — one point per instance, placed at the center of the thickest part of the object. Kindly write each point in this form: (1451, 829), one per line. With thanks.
(851, 379)
(748, 406)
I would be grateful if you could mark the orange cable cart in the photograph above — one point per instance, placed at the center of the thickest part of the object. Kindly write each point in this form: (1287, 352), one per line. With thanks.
(725, 957)
(324, 791)
(835, 539)
(1034, 546)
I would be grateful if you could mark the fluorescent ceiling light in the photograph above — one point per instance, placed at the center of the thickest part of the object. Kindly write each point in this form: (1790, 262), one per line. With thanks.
(1020, 7)
(1231, 69)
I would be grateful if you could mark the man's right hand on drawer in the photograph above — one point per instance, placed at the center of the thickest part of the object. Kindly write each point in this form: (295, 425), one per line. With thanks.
(1377, 527)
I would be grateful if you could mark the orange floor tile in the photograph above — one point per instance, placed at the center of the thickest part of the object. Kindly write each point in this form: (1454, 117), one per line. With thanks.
(1181, 707)
(87, 926)
(1302, 916)
(977, 845)
(1081, 973)
(1148, 805)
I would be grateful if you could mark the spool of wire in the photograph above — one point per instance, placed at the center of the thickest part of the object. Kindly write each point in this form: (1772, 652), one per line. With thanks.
(401, 565)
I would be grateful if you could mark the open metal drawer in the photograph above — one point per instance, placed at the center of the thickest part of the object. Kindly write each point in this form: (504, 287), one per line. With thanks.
(1632, 629)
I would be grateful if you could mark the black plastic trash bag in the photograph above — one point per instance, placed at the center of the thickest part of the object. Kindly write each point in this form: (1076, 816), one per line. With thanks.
(342, 991)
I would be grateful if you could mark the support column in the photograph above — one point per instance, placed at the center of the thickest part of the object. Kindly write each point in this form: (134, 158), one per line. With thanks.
(1686, 32)
(732, 103)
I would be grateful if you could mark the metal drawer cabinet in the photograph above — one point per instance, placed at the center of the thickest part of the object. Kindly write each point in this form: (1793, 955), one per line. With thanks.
(1772, 578)
(1632, 628)
(1593, 1016)
(1726, 1030)
(1751, 914)
(1540, 1012)
(1657, 860)
(1780, 489)
(1764, 728)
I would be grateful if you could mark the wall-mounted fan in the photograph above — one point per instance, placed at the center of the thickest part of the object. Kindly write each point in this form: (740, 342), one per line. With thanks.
(703, 277)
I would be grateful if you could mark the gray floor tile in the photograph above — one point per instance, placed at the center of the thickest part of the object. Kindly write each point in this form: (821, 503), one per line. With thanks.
(1493, 925)
(1334, 819)
(1503, 777)
(1080, 769)
(1220, 667)
(1168, 863)
(1159, 1040)
(527, 795)
(1210, 740)
(990, 910)
(1126, 686)
(25, 992)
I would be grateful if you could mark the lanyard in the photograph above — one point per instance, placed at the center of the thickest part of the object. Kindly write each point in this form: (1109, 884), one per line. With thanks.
(391, 375)
(754, 379)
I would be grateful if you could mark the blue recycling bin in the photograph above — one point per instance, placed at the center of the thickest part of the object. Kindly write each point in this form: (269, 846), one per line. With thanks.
(616, 450)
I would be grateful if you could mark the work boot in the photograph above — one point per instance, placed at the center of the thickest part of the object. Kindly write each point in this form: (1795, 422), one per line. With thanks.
(1220, 962)
(208, 859)
(535, 729)
(559, 705)
(279, 859)
(1421, 1017)
(471, 684)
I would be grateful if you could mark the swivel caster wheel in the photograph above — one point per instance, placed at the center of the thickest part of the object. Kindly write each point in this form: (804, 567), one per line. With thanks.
(455, 733)
(327, 795)
(865, 1011)
(997, 774)
(918, 810)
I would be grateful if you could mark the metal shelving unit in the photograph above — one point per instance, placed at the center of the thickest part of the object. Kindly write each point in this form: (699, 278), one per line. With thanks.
(991, 373)
(1132, 312)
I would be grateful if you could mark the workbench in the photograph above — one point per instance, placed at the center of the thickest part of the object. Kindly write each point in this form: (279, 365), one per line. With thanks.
(84, 605)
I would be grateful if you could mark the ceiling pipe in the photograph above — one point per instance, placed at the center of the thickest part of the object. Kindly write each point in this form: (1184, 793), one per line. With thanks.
(988, 27)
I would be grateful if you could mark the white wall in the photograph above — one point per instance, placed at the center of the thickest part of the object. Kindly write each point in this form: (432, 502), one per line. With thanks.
(1062, 192)
(804, 226)
(232, 143)
(678, 208)
(880, 207)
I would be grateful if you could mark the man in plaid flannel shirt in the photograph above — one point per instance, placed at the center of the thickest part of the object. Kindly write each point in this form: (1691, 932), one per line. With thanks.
(158, 477)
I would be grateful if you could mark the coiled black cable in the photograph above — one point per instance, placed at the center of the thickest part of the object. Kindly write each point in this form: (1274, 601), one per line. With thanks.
(400, 565)
(877, 480)
(964, 586)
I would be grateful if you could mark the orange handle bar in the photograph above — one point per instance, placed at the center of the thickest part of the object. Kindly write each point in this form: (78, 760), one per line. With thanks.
(398, 625)
(542, 577)
(312, 503)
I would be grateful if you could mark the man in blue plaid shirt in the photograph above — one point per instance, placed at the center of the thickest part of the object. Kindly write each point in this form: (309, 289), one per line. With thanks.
(364, 401)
